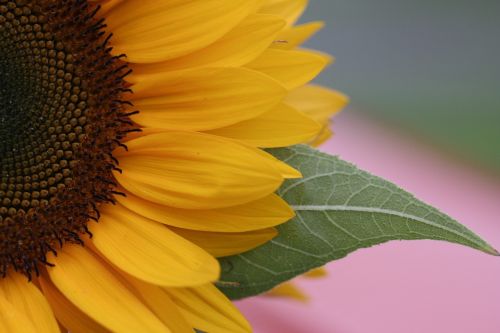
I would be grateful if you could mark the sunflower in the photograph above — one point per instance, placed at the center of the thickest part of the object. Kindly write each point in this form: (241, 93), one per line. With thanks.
(148, 117)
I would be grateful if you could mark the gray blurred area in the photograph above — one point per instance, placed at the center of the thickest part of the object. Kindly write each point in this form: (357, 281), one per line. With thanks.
(430, 67)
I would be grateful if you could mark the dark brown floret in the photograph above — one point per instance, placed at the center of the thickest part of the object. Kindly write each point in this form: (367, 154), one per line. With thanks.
(61, 117)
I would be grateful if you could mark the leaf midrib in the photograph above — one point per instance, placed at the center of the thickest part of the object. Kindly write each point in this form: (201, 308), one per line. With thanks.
(323, 208)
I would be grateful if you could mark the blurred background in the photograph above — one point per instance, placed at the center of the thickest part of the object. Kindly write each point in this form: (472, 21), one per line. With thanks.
(429, 67)
(424, 82)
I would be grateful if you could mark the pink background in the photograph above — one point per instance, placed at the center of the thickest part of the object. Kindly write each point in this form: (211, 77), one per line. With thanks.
(403, 287)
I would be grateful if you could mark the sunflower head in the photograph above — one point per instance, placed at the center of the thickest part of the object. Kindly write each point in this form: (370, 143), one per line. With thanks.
(215, 82)
(61, 117)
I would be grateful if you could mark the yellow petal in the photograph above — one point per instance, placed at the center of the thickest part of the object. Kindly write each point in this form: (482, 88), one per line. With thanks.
(207, 309)
(67, 313)
(291, 68)
(323, 136)
(195, 171)
(288, 290)
(316, 273)
(290, 10)
(158, 300)
(203, 99)
(259, 214)
(239, 46)
(318, 102)
(283, 126)
(295, 36)
(158, 30)
(14, 321)
(91, 286)
(151, 252)
(227, 244)
(27, 299)
(285, 170)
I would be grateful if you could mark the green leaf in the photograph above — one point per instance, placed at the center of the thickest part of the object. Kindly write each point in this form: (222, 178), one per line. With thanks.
(339, 209)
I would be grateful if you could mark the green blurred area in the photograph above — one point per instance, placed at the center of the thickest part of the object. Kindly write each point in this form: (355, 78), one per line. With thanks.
(430, 67)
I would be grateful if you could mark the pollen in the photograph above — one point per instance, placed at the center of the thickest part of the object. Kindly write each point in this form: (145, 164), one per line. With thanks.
(61, 117)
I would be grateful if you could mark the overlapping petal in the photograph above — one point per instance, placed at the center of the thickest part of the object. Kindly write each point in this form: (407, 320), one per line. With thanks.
(289, 127)
(196, 171)
(288, 9)
(27, 298)
(318, 102)
(91, 286)
(159, 301)
(68, 314)
(14, 320)
(207, 309)
(150, 251)
(203, 99)
(291, 68)
(238, 47)
(157, 30)
(223, 244)
(258, 214)
(296, 35)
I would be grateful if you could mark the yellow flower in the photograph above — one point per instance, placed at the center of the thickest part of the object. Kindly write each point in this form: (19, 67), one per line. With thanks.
(148, 116)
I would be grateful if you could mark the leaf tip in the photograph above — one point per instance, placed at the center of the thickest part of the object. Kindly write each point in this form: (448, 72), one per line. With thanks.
(490, 250)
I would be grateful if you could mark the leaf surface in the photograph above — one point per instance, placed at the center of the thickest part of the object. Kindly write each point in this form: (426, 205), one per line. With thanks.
(340, 209)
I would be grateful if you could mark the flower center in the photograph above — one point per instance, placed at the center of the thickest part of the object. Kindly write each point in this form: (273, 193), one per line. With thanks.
(61, 116)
